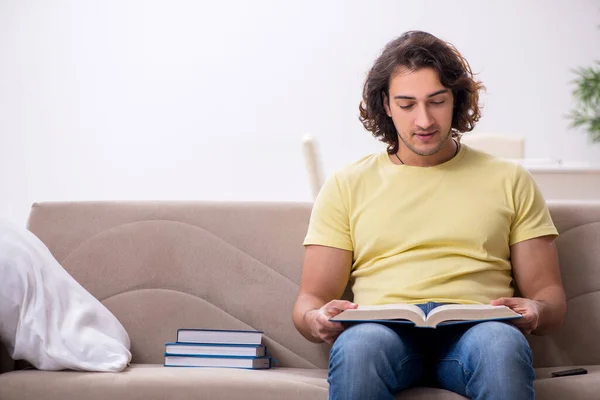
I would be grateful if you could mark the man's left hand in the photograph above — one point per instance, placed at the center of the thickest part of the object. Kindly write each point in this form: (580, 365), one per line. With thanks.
(529, 309)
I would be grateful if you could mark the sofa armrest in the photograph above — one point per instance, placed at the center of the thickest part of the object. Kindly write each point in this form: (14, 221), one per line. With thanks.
(6, 363)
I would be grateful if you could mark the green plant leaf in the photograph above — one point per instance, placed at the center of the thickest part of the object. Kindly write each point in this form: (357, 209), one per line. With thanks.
(587, 95)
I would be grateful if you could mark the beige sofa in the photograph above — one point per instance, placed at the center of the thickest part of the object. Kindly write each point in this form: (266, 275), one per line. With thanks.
(163, 266)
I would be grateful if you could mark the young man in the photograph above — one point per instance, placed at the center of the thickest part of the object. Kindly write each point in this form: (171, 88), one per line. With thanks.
(430, 221)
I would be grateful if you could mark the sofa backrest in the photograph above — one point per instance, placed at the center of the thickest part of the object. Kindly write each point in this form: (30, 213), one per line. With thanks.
(160, 266)
(576, 341)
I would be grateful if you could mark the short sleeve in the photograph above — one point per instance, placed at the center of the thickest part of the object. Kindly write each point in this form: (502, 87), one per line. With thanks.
(329, 221)
(531, 215)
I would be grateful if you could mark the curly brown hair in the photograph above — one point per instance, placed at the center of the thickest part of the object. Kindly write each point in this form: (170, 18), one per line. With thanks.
(415, 50)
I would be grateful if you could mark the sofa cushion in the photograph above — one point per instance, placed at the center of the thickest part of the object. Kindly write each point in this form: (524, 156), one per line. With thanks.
(148, 381)
(580, 387)
(575, 342)
(160, 266)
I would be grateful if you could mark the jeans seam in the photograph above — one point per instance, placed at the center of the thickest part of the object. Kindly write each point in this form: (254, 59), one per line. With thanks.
(466, 373)
(404, 361)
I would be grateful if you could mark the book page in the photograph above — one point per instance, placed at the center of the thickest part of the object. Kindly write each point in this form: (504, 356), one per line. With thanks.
(407, 312)
(469, 312)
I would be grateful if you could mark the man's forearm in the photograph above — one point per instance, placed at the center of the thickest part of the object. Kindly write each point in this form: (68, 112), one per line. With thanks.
(302, 309)
(552, 309)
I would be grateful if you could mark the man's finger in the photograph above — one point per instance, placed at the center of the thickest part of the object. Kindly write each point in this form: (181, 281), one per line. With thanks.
(324, 325)
(339, 305)
(331, 311)
(323, 320)
(507, 301)
(332, 326)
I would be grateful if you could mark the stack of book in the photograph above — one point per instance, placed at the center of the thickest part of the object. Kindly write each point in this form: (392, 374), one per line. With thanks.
(217, 349)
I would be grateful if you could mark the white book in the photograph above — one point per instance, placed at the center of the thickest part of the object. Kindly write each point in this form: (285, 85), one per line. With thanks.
(178, 360)
(219, 336)
(249, 350)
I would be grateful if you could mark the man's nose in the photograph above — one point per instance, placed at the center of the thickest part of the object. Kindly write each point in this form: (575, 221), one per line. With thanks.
(424, 120)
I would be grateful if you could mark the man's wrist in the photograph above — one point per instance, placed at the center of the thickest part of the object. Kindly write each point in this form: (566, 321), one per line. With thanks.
(550, 316)
(306, 318)
(306, 315)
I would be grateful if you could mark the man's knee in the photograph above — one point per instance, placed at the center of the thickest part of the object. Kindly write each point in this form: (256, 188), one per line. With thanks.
(374, 356)
(496, 341)
(368, 337)
(366, 343)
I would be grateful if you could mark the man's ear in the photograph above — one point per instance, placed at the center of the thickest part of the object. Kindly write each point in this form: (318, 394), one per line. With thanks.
(386, 105)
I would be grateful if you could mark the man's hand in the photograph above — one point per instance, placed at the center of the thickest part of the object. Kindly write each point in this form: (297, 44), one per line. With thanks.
(529, 309)
(537, 275)
(318, 322)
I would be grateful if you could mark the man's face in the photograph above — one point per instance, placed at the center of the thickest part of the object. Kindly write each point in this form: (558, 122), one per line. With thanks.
(421, 108)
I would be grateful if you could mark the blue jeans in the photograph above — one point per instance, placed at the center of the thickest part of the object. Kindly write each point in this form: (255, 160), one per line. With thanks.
(487, 360)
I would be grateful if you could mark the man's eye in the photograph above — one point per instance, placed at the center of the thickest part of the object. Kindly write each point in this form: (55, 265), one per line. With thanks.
(407, 107)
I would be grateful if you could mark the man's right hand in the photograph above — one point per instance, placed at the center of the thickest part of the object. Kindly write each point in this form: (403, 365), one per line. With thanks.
(318, 322)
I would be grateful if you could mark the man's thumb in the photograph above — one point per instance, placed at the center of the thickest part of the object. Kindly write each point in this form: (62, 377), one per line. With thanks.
(502, 301)
(351, 305)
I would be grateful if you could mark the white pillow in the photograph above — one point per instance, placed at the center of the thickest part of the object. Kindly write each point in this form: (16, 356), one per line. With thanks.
(47, 318)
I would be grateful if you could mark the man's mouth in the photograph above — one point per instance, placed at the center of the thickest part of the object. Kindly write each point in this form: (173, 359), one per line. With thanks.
(425, 135)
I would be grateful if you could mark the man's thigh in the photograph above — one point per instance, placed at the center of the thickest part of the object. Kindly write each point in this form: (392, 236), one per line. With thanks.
(471, 356)
(392, 351)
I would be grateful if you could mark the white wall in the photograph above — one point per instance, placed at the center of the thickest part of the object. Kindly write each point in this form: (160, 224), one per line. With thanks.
(210, 100)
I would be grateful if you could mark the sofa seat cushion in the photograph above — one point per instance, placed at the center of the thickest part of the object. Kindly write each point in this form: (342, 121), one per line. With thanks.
(580, 387)
(149, 381)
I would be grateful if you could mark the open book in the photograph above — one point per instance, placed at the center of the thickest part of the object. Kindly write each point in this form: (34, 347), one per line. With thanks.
(442, 315)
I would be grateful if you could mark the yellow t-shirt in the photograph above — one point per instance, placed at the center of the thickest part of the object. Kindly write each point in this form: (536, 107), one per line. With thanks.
(422, 234)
